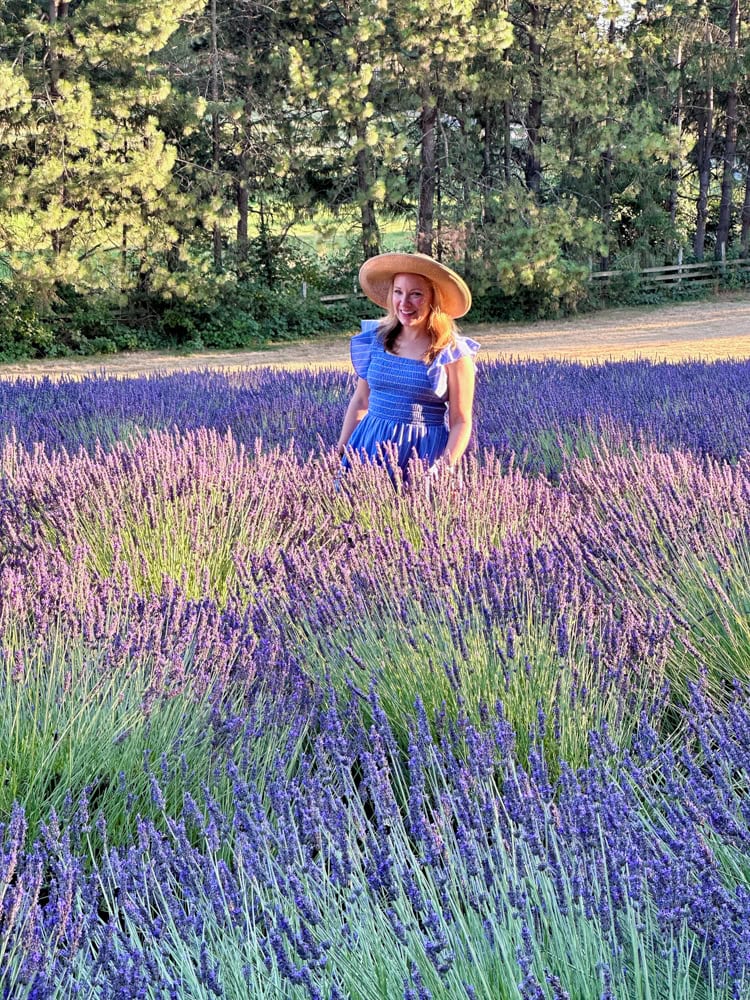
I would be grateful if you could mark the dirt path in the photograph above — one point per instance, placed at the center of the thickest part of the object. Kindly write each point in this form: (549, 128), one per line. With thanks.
(707, 330)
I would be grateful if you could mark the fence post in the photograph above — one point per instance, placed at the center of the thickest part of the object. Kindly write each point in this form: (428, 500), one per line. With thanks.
(679, 265)
(304, 289)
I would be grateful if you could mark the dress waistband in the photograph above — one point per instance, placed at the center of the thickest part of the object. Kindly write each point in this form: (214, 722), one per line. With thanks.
(385, 407)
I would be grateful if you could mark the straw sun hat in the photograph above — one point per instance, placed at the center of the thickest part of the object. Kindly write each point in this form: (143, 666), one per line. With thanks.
(376, 277)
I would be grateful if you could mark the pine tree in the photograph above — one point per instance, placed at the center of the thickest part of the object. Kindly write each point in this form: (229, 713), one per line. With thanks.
(730, 134)
(85, 166)
(341, 74)
(442, 49)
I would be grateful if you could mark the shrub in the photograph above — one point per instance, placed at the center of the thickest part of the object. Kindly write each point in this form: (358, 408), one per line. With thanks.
(23, 331)
(233, 316)
(250, 314)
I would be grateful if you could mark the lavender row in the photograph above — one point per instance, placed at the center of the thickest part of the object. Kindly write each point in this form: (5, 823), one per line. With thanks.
(184, 571)
(353, 872)
(644, 552)
(538, 410)
(210, 658)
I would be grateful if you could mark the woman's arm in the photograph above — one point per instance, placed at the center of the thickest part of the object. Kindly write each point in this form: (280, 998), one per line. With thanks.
(460, 406)
(355, 411)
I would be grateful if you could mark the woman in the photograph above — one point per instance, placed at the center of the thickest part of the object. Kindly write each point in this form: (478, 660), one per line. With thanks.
(415, 390)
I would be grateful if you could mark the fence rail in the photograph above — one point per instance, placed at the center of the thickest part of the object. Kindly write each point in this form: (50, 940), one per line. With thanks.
(707, 272)
(328, 299)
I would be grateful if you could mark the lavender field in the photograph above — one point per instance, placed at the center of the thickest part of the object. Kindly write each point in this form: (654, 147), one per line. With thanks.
(482, 737)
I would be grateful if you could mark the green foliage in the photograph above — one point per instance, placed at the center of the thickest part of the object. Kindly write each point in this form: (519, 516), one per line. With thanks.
(530, 261)
(226, 313)
(192, 325)
(75, 723)
(540, 300)
(668, 568)
(231, 315)
(71, 323)
(416, 656)
(87, 324)
(284, 264)
(23, 331)
(76, 726)
(249, 315)
(84, 164)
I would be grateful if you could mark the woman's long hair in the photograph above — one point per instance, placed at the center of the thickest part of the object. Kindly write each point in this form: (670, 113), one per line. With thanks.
(440, 326)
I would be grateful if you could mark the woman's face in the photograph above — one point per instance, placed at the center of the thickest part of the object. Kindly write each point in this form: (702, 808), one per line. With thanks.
(411, 298)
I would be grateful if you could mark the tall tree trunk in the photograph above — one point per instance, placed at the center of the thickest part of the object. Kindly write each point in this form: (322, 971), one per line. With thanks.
(573, 124)
(124, 275)
(704, 150)
(266, 250)
(488, 123)
(487, 177)
(507, 144)
(57, 11)
(488, 119)
(243, 210)
(54, 61)
(727, 180)
(745, 234)
(439, 207)
(533, 165)
(364, 164)
(215, 130)
(608, 162)
(145, 270)
(428, 128)
(678, 117)
(730, 142)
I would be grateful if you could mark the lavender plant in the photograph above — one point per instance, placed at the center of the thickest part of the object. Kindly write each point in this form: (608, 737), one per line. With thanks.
(668, 532)
(541, 411)
(490, 883)
(530, 636)
(485, 736)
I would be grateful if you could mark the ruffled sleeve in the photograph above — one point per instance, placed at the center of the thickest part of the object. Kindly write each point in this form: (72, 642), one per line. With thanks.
(361, 346)
(464, 347)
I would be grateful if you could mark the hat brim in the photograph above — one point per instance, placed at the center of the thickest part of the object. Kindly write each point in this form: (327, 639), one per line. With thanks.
(376, 278)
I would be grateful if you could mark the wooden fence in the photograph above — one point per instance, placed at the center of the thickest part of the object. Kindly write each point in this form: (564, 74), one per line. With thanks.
(330, 299)
(705, 273)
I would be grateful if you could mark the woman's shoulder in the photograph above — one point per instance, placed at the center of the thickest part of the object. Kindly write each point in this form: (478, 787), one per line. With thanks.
(461, 347)
(368, 326)
(368, 331)
(362, 344)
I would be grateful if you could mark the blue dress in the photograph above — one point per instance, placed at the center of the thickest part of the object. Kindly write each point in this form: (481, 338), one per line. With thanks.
(408, 398)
